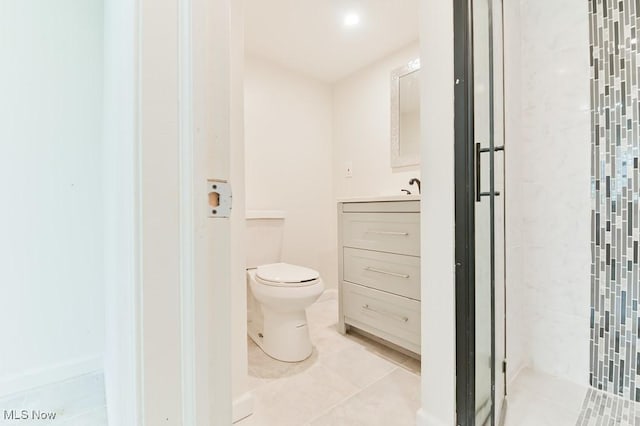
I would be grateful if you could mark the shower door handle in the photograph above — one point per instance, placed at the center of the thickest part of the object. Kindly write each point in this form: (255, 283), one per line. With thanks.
(479, 193)
(478, 174)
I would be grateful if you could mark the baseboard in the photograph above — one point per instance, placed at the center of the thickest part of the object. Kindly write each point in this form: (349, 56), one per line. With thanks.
(425, 419)
(242, 407)
(45, 376)
(329, 294)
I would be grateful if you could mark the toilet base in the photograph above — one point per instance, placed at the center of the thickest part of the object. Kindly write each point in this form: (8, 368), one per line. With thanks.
(277, 319)
(284, 335)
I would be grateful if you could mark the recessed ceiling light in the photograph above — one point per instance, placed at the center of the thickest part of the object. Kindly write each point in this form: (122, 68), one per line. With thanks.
(351, 19)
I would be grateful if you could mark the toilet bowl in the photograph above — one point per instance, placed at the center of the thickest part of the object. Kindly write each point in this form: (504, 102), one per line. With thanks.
(279, 294)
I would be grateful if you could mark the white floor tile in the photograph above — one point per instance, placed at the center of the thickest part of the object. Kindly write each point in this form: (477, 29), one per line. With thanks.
(294, 400)
(540, 399)
(393, 400)
(345, 374)
(358, 366)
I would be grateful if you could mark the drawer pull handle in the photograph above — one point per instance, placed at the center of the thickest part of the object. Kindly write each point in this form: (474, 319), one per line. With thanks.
(389, 314)
(395, 233)
(380, 271)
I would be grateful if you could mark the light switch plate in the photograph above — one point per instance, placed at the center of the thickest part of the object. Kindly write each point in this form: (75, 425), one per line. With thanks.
(348, 169)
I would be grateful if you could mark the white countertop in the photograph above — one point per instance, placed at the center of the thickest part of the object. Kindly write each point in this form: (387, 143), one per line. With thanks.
(378, 198)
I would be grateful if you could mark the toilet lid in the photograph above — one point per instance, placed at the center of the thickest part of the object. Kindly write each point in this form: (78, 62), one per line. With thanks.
(285, 273)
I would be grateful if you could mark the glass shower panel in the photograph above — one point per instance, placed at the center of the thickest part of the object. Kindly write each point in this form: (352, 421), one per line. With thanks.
(484, 211)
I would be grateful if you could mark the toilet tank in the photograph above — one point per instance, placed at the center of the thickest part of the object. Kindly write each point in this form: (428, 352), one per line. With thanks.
(265, 233)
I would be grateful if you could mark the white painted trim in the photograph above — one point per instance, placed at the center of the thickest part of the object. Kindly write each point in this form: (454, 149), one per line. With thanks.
(52, 374)
(123, 355)
(437, 239)
(328, 294)
(265, 214)
(135, 345)
(242, 407)
(212, 77)
(187, 223)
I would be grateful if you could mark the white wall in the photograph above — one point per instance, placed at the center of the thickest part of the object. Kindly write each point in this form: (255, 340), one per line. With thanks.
(362, 130)
(51, 250)
(288, 133)
(549, 188)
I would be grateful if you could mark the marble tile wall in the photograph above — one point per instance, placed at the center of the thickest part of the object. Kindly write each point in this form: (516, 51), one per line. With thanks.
(615, 146)
(517, 342)
(549, 186)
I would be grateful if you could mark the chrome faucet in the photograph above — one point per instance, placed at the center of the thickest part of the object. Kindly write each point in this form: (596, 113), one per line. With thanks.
(416, 181)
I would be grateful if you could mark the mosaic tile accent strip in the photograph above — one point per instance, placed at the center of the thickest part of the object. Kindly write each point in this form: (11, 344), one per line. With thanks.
(600, 408)
(615, 147)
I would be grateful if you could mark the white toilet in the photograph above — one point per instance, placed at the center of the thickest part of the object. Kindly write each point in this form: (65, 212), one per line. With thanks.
(278, 293)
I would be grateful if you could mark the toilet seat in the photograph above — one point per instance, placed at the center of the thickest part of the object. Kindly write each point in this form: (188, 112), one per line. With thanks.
(286, 275)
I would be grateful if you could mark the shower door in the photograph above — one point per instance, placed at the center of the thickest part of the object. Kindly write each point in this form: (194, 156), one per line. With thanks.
(479, 211)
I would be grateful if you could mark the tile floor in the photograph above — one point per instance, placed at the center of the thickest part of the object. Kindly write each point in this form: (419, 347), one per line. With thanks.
(600, 408)
(539, 399)
(348, 380)
(76, 402)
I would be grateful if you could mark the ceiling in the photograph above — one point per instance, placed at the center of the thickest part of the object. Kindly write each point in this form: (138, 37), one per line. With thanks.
(310, 36)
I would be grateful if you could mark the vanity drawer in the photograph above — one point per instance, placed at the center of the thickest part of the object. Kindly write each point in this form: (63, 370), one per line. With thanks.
(388, 232)
(393, 273)
(398, 318)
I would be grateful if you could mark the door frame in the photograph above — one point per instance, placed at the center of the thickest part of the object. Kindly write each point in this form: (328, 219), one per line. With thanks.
(202, 57)
(464, 212)
(122, 362)
(168, 282)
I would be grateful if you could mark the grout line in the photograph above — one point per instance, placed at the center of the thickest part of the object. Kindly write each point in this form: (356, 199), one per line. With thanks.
(350, 396)
(395, 365)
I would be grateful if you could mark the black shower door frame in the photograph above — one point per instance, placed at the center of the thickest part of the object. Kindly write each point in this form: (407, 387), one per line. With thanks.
(466, 196)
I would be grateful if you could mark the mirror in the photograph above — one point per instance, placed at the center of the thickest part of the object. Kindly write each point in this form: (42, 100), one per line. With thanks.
(405, 115)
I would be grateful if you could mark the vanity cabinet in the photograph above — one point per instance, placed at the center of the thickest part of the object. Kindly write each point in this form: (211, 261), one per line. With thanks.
(379, 268)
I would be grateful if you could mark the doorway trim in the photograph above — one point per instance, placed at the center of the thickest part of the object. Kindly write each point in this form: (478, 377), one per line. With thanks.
(121, 158)
(187, 213)
(168, 299)
(437, 215)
